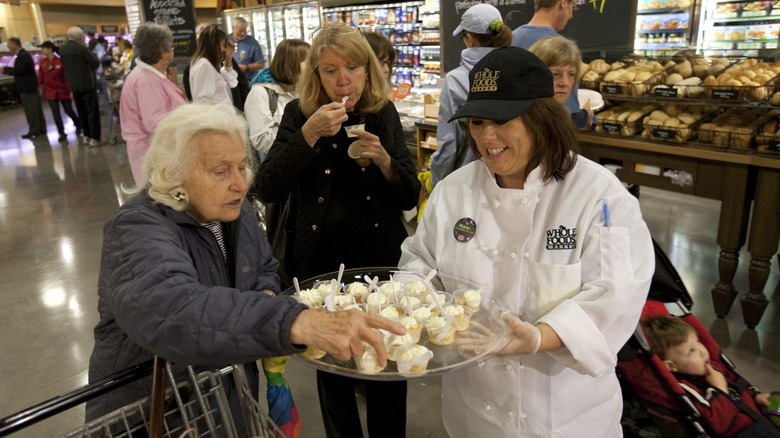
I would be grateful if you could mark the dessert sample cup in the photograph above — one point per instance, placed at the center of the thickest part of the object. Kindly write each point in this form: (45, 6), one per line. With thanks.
(354, 153)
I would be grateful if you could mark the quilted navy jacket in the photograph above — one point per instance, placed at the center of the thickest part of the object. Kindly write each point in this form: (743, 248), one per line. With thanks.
(165, 289)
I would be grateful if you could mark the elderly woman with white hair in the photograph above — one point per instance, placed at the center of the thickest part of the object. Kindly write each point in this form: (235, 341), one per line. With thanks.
(147, 95)
(186, 274)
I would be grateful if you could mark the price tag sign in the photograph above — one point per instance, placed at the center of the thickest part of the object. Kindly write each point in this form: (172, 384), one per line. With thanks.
(665, 92)
(664, 134)
(611, 89)
(725, 94)
(612, 128)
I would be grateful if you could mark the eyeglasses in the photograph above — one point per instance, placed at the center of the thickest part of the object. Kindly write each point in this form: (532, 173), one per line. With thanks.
(575, 4)
(334, 28)
(385, 61)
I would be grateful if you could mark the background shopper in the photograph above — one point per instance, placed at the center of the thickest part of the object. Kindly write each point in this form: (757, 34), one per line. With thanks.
(550, 17)
(147, 95)
(563, 58)
(80, 64)
(271, 90)
(482, 29)
(248, 50)
(211, 69)
(55, 87)
(26, 83)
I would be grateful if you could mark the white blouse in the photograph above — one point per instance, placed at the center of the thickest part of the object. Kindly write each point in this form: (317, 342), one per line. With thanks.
(209, 85)
(262, 124)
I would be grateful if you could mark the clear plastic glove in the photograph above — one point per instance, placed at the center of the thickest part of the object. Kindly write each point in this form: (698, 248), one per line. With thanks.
(523, 338)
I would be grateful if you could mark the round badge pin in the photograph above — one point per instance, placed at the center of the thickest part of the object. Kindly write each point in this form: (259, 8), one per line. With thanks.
(464, 229)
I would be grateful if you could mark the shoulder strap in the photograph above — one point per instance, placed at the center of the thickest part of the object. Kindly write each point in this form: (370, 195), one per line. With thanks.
(273, 100)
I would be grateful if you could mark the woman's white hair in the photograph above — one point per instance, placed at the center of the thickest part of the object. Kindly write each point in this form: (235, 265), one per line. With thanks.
(171, 157)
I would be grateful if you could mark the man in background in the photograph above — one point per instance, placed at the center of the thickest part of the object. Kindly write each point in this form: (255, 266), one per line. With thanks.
(26, 82)
(248, 51)
(550, 17)
(80, 65)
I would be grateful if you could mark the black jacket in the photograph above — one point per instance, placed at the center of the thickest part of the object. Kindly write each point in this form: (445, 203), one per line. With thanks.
(80, 65)
(23, 72)
(341, 212)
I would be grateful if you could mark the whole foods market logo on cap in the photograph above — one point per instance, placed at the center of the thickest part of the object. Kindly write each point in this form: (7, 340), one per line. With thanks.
(485, 80)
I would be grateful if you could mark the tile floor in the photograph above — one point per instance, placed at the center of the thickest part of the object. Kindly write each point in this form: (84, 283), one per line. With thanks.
(55, 198)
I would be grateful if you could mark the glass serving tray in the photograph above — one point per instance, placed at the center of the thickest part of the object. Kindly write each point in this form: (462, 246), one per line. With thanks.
(446, 358)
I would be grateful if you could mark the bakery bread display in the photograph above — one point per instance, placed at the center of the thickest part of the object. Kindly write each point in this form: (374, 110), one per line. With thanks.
(676, 123)
(768, 139)
(735, 128)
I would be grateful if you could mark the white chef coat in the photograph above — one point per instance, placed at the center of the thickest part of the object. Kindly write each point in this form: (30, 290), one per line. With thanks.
(209, 85)
(549, 258)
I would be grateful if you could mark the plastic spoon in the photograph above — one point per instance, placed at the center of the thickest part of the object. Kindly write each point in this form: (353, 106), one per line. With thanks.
(371, 283)
(344, 100)
(405, 367)
(431, 290)
(443, 334)
(341, 273)
(330, 298)
(297, 287)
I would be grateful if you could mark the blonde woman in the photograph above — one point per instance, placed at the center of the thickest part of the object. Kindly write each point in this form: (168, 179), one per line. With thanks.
(339, 208)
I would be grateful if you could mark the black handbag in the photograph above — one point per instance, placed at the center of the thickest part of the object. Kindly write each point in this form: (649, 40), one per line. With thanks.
(277, 216)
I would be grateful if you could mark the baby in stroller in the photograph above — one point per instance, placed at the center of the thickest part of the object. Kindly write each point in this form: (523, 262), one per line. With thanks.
(730, 407)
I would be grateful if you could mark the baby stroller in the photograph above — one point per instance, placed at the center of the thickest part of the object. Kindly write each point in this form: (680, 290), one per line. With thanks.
(654, 402)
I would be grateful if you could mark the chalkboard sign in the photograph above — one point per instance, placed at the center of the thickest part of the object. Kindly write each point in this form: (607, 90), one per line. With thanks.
(179, 16)
(598, 25)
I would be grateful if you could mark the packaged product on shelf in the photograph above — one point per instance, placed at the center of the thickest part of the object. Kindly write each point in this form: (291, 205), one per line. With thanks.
(676, 21)
(728, 10)
(757, 32)
(735, 33)
(756, 8)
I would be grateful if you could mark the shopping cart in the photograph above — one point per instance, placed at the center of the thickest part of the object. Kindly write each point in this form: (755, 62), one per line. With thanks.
(114, 93)
(197, 403)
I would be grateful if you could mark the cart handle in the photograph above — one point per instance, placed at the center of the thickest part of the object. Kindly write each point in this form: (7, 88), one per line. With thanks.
(63, 402)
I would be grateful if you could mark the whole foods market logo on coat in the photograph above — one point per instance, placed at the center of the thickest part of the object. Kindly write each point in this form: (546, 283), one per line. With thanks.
(561, 238)
(485, 80)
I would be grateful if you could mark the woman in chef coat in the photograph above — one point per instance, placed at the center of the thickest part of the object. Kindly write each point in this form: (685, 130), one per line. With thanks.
(562, 245)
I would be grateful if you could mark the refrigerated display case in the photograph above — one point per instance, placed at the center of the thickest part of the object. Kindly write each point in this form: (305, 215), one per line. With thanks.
(664, 25)
(739, 27)
(269, 25)
(411, 26)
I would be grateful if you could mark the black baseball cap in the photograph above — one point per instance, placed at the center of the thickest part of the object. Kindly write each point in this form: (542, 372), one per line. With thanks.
(504, 84)
(48, 45)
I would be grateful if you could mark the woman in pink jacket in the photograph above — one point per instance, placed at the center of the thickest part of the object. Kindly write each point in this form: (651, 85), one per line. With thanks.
(147, 95)
(51, 75)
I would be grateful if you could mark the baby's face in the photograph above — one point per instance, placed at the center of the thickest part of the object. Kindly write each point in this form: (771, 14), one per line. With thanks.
(690, 357)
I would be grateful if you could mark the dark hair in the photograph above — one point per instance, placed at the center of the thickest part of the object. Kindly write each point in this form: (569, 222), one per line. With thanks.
(285, 66)
(553, 137)
(209, 46)
(544, 4)
(665, 332)
(500, 39)
(16, 41)
(381, 46)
